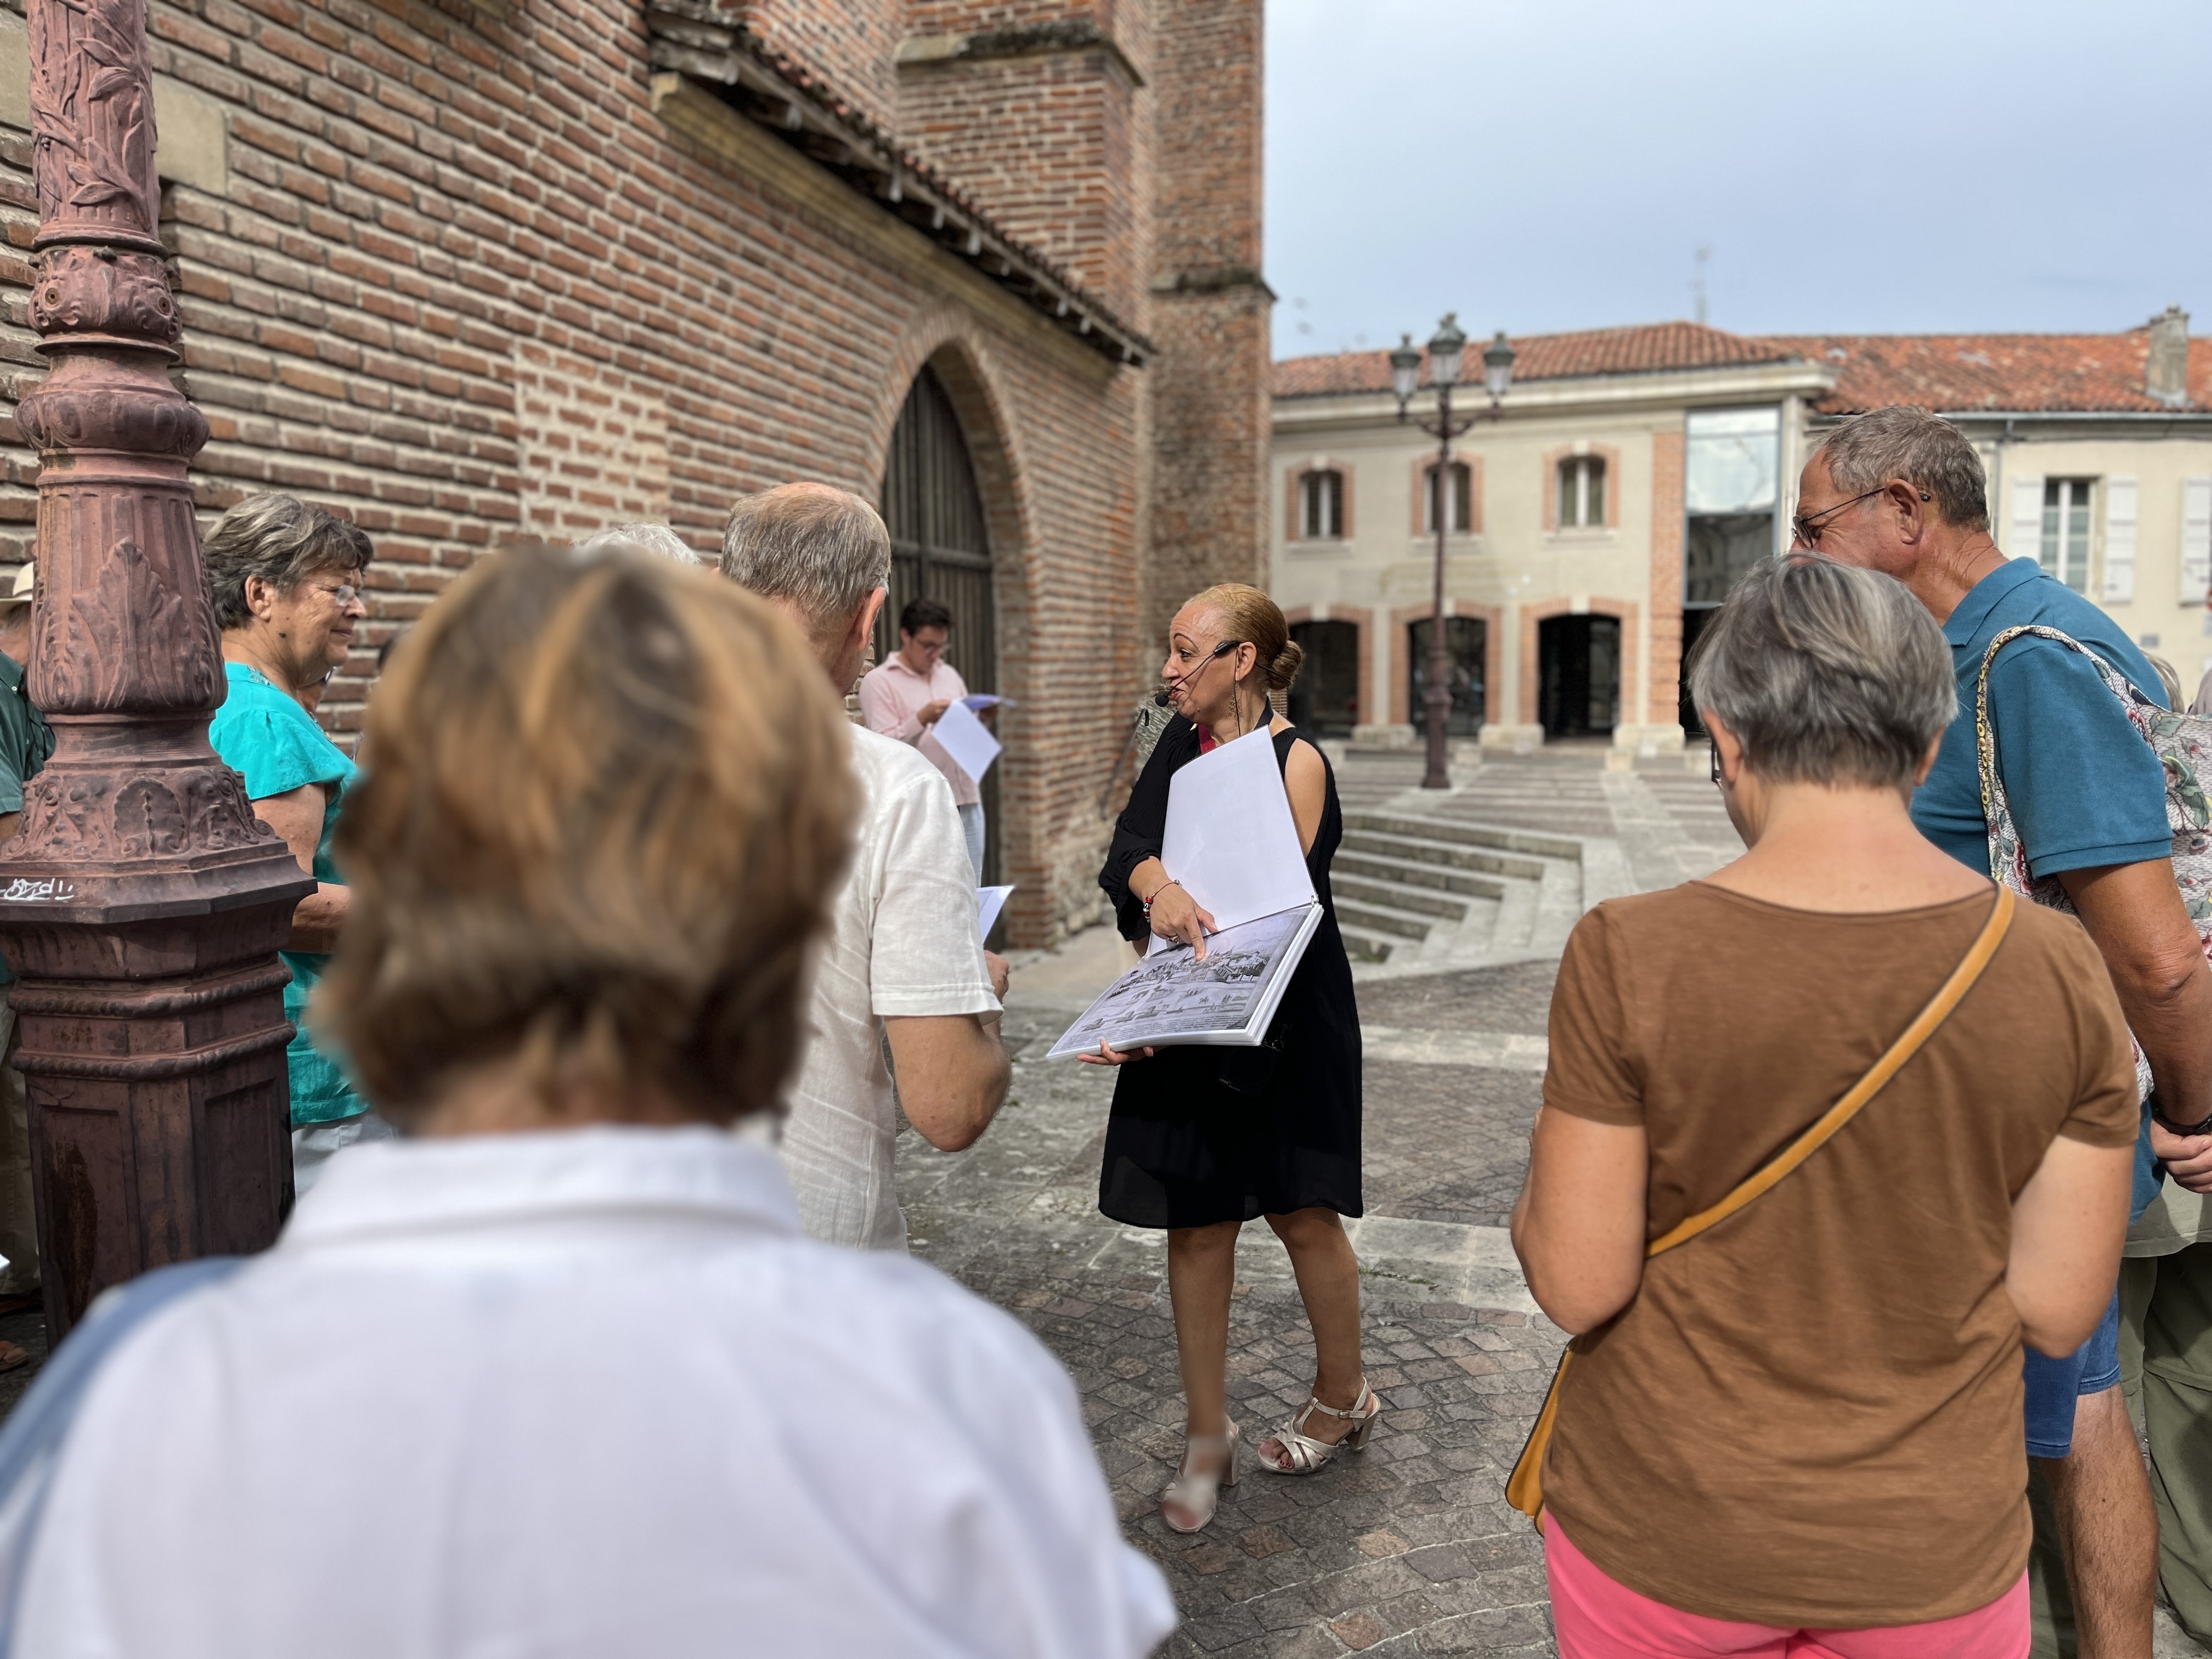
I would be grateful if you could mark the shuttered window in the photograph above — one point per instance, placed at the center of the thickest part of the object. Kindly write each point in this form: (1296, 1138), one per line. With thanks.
(2196, 539)
(1320, 496)
(2119, 540)
(2064, 541)
(1462, 500)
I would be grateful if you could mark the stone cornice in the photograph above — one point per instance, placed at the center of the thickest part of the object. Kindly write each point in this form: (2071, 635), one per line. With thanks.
(1212, 279)
(1071, 34)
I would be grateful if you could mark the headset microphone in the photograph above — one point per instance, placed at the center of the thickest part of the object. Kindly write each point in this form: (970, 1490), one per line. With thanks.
(1160, 698)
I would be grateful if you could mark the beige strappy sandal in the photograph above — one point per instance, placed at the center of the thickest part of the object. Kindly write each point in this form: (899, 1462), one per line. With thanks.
(1306, 1454)
(1195, 1494)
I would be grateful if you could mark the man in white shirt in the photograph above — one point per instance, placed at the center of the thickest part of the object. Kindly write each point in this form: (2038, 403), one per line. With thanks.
(904, 698)
(904, 959)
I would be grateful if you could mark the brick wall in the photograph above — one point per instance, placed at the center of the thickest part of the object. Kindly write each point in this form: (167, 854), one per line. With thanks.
(1210, 408)
(849, 44)
(474, 273)
(1056, 145)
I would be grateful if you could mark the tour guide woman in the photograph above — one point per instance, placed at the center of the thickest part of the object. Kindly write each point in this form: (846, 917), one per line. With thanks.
(1799, 1431)
(1203, 1140)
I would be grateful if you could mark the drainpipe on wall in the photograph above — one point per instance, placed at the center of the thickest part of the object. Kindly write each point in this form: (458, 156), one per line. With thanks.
(1996, 480)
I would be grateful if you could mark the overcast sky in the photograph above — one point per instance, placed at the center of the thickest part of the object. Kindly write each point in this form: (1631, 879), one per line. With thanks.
(1882, 165)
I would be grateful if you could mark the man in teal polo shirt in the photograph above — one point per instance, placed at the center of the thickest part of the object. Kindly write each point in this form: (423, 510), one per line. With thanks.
(1900, 491)
(26, 741)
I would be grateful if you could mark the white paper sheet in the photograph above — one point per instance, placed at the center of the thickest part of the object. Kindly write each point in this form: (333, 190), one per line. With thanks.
(1231, 841)
(990, 901)
(966, 738)
(979, 701)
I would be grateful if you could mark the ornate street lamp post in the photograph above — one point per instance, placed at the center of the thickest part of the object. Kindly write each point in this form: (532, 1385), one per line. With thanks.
(1445, 351)
(141, 903)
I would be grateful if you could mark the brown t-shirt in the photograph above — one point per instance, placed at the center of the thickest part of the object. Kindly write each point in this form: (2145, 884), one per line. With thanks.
(1810, 1415)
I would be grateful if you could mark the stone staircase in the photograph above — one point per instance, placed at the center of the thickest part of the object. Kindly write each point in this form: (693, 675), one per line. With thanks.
(1419, 893)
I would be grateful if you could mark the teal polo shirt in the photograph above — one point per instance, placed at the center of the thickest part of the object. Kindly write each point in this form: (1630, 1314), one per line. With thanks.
(2084, 789)
(27, 743)
(263, 732)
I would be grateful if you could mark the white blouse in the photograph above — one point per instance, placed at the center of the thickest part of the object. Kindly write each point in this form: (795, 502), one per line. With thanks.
(584, 1393)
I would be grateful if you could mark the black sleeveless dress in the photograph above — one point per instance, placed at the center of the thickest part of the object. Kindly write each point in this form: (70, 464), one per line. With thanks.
(1201, 1136)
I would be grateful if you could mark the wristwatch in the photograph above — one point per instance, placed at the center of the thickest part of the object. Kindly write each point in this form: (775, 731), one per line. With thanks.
(2185, 1130)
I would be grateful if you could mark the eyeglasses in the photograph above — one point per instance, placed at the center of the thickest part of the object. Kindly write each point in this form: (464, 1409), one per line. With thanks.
(1716, 764)
(345, 592)
(1807, 529)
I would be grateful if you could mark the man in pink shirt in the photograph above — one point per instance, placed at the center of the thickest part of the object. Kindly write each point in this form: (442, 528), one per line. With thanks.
(902, 697)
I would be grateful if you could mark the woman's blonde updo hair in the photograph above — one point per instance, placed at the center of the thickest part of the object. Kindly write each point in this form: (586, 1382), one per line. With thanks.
(608, 801)
(1247, 614)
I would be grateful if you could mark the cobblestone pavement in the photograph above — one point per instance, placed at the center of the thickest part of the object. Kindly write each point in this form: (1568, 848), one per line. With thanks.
(1407, 1549)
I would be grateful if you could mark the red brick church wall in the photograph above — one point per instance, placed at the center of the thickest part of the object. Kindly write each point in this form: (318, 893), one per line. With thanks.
(476, 272)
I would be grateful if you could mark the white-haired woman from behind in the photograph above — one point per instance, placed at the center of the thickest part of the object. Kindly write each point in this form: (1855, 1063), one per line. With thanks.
(1792, 1423)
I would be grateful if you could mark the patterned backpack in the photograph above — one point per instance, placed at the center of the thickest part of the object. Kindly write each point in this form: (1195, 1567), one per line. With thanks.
(2183, 744)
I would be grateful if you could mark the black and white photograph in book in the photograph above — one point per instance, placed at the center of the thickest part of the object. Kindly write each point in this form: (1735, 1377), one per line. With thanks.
(1225, 997)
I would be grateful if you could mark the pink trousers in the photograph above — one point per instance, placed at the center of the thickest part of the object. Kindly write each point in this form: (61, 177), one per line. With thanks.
(1599, 1618)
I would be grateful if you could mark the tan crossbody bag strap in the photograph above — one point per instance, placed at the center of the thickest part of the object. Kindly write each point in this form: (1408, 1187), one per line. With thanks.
(1524, 1491)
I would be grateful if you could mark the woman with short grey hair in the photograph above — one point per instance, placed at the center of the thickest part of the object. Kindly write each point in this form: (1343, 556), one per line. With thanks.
(285, 578)
(1792, 1422)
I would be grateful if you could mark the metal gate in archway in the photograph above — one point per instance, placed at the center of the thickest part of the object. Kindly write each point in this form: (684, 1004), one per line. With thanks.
(941, 550)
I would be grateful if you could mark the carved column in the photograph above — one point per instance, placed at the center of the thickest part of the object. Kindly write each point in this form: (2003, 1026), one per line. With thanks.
(142, 904)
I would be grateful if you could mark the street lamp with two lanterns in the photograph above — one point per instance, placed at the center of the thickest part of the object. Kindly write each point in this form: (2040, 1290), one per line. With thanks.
(1445, 353)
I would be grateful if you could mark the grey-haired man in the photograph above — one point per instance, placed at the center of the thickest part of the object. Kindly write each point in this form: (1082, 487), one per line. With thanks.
(1901, 492)
(904, 962)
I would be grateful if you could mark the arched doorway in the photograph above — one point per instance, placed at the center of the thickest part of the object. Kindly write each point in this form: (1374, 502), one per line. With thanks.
(1325, 698)
(941, 550)
(1578, 675)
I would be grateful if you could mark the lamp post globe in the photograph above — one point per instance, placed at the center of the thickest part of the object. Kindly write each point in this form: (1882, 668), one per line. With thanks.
(1405, 372)
(1446, 347)
(1497, 367)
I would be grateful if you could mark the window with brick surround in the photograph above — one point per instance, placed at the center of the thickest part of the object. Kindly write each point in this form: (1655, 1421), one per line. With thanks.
(1460, 484)
(1321, 505)
(1582, 493)
(2065, 550)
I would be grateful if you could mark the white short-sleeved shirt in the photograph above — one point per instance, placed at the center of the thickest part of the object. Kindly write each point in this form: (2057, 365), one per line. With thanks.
(905, 939)
(618, 1406)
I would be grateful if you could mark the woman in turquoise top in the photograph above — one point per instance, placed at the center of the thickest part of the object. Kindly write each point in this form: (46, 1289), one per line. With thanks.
(285, 580)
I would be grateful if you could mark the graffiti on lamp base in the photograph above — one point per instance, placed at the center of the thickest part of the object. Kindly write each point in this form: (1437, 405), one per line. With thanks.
(19, 889)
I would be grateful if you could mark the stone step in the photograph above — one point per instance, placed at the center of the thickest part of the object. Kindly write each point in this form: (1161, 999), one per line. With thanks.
(1420, 900)
(1454, 854)
(1406, 872)
(1468, 834)
(1363, 947)
(1381, 919)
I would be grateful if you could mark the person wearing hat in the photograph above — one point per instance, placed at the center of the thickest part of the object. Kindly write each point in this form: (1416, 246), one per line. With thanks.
(26, 741)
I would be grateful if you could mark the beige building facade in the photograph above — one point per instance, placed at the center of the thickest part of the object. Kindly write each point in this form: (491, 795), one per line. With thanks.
(1600, 512)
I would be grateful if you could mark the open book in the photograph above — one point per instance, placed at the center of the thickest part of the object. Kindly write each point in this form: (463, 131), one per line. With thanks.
(1227, 1001)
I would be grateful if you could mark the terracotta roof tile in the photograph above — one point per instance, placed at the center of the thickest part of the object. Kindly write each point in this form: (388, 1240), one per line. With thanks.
(1647, 349)
(2025, 373)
